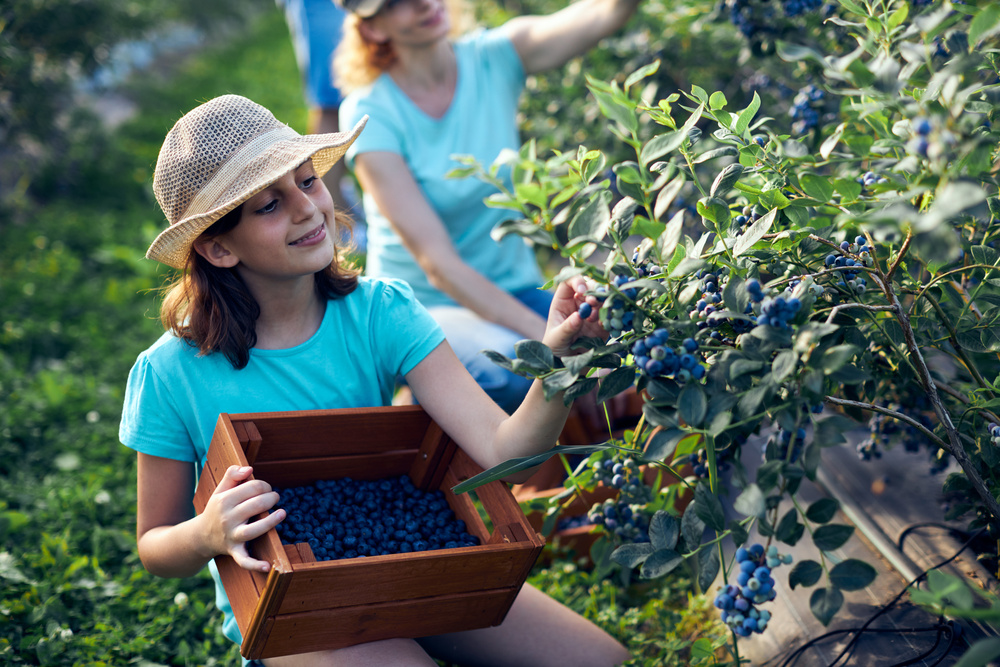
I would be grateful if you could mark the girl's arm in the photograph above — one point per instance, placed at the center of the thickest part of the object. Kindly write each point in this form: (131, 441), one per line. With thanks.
(389, 180)
(174, 543)
(545, 42)
(453, 399)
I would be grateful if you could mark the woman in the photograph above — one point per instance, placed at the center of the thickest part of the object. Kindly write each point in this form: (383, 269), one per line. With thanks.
(430, 97)
(265, 316)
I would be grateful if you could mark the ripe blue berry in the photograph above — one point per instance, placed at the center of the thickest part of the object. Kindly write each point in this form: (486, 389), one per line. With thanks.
(585, 310)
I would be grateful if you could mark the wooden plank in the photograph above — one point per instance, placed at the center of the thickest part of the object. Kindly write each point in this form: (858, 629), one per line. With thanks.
(206, 487)
(308, 434)
(241, 589)
(261, 624)
(337, 628)
(377, 579)
(360, 466)
(430, 463)
(253, 441)
(464, 508)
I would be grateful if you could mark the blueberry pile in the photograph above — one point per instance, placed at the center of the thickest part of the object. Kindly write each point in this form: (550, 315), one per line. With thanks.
(794, 8)
(656, 359)
(778, 311)
(345, 518)
(806, 108)
(624, 475)
(754, 586)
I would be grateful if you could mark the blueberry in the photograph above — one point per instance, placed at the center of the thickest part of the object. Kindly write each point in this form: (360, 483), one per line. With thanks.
(585, 310)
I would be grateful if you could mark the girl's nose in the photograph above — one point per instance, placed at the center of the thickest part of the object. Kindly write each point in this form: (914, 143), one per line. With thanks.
(302, 205)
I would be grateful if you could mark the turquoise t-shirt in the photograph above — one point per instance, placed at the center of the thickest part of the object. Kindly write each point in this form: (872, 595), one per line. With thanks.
(366, 339)
(481, 122)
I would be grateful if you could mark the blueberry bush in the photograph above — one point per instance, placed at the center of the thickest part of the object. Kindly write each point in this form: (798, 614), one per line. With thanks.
(807, 257)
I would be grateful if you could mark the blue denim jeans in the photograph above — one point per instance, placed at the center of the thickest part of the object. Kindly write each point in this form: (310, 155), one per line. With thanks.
(468, 334)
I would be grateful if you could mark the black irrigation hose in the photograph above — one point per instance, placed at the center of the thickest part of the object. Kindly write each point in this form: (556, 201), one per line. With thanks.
(941, 627)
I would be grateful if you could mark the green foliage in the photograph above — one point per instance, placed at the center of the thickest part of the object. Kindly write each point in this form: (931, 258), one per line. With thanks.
(867, 208)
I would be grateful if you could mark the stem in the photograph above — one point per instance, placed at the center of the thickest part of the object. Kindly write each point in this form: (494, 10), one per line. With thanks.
(891, 413)
(954, 445)
(953, 336)
(845, 306)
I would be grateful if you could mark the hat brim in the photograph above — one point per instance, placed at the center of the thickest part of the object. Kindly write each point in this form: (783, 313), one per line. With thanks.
(363, 8)
(173, 245)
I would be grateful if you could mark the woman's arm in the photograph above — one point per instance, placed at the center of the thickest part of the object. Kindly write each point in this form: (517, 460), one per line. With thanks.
(453, 399)
(390, 182)
(545, 42)
(174, 543)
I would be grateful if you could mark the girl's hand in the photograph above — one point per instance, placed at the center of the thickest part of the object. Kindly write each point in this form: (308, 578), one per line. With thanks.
(565, 326)
(230, 512)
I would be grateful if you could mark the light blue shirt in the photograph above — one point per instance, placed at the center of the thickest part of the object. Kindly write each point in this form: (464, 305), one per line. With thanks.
(173, 397)
(481, 122)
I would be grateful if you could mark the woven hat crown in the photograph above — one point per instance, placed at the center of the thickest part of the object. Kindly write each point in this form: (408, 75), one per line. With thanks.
(200, 143)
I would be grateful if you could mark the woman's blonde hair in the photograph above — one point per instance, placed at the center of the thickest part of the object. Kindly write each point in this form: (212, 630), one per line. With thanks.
(357, 61)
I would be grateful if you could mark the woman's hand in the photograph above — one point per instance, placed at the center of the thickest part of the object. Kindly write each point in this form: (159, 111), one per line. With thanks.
(229, 516)
(565, 326)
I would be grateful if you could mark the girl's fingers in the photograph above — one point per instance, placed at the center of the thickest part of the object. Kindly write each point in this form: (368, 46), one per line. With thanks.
(233, 477)
(243, 559)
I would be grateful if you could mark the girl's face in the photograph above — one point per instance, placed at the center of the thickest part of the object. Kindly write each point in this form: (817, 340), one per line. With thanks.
(410, 22)
(285, 231)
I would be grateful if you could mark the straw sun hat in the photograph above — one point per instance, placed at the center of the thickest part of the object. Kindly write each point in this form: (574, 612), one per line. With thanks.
(220, 154)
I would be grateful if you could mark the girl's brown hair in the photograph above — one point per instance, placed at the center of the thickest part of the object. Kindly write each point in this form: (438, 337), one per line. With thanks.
(357, 61)
(212, 308)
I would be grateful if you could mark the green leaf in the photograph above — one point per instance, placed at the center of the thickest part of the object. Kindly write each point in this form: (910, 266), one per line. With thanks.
(666, 197)
(663, 530)
(714, 209)
(789, 529)
(754, 233)
(630, 555)
(743, 121)
(692, 404)
(784, 365)
(708, 568)
(515, 465)
(534, 354)
(620, 111)
(950, 589)
(836, 357)
(615, 383)
(726, 179)
(660, 563)
(804, 573)
(558, 381)
(985, 24)
(662, 444)
(817, 187)
(709, 507)
(852, 574)
(823, 510)
(642, 73)
(750, 502)
(717, 101)
(498, 359)
(692, 527)
(832, 536)
(591, 222)
(660, 145)
(826, 602)
(981, 654)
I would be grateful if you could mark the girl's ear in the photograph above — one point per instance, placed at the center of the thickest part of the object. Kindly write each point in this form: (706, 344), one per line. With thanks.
(216, 253)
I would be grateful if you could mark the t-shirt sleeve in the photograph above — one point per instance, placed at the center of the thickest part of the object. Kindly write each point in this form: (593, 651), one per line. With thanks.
(500, 60)
(381, 133)
(403, 330)
(150, 421)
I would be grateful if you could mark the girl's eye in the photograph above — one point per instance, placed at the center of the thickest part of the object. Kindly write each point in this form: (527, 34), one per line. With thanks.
(268, 207)
(308, 183)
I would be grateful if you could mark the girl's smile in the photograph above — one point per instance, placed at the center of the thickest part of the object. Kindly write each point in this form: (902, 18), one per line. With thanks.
(317, 235)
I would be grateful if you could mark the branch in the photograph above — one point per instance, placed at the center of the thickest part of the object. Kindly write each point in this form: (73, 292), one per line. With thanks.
(863, 306)
(892, 413)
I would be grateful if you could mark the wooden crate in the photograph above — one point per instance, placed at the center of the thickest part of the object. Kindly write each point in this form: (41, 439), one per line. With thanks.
(305, 605)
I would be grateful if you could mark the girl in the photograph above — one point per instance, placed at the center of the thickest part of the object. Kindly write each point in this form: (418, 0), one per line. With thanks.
(265, 316)
(431, 96)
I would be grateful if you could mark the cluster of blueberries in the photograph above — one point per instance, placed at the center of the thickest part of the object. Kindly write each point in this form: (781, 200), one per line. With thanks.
(806, 107)
(346, 518)
(870, 178)
(709, 303)
(699, 461)
(616, 314)
(655, 358)
(921, 129)
(754, 586)
(746, 217)
(778, 311)
(883, 430)
(622, 516)
(994, 429)
(796, 7)
(865, 257)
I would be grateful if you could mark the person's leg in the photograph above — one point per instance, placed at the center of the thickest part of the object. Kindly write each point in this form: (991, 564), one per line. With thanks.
(468, 334)
(395, 652)
(538, 631)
